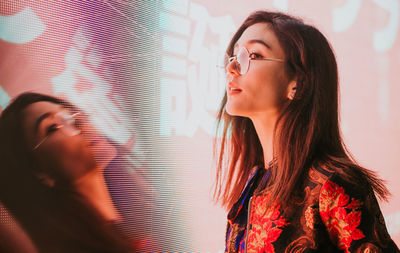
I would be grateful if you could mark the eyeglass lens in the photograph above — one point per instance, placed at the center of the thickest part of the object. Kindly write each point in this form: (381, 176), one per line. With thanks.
(67, 123)
(242, 60)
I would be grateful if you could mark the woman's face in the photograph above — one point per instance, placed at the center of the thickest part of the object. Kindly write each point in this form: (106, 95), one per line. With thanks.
(263, 89)
(62, 154)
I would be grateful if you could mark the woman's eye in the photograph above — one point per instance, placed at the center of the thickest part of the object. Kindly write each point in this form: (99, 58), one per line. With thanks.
(254, 56)
(52, 128)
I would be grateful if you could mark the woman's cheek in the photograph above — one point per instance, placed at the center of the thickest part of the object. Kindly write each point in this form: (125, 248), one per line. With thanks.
(69, 160)
(80, 159)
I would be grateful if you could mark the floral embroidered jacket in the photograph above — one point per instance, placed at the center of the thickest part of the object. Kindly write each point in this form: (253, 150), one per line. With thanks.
(335, 216)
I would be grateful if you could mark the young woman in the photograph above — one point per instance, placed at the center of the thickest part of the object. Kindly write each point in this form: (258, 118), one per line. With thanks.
(49, 180)
(290, 184)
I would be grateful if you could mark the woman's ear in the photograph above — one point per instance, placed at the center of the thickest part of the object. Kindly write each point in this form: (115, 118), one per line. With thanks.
(46, 179)
(291, 90)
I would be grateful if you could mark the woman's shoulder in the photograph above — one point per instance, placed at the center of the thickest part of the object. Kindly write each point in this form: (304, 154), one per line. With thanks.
(348, 174)
(344, 175)
(349, 209)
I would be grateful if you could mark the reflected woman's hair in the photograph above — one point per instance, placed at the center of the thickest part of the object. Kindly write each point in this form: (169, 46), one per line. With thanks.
(57, 219)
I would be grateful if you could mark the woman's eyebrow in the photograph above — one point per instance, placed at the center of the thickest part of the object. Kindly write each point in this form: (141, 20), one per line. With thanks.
(259, 42)
(40, 119)
(255, 41)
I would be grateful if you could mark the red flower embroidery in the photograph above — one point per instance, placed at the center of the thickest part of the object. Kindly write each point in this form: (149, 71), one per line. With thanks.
(267, 226)
(340, 217)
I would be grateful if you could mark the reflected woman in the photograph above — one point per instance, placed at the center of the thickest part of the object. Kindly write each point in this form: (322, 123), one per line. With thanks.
(290, 184)
(50, 182)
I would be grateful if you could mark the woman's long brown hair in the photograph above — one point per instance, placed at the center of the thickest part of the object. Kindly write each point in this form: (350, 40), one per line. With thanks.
(307, 130)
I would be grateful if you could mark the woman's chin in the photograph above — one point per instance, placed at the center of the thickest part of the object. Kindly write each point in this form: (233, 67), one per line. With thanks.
(232, 111)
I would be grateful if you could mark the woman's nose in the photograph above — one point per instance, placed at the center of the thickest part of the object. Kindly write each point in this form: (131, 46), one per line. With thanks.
(70, 130)
(232, 67)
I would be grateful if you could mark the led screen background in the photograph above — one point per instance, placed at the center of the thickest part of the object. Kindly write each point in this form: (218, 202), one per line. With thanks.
(146, 73)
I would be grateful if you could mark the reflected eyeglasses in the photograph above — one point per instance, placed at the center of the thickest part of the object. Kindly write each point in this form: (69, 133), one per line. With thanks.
(243, 58)
(65, 122)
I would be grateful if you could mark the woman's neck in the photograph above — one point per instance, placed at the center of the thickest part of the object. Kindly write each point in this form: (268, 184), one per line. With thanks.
(265, 126)
(93, 187)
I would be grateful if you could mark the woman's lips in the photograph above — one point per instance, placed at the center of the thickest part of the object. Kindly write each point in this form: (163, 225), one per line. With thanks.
(94, 142)
(232, 89)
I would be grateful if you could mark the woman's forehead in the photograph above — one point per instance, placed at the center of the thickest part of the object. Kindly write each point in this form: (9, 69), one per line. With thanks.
(38, 108)
(258, 32)
(35, 110)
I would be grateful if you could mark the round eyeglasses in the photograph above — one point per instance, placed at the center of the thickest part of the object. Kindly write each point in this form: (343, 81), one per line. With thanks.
(243, 60)
(65, 122)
